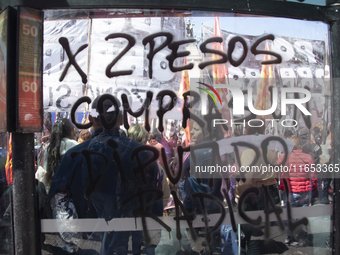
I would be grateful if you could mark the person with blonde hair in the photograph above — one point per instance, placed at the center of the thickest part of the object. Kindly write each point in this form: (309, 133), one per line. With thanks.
(138, 133)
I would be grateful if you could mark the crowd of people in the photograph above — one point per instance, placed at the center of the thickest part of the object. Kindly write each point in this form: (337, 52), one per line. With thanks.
(99, 174)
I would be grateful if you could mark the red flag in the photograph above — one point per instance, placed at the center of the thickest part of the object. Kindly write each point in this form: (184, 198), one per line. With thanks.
(8, 166)
(185, 86)
(220, 73)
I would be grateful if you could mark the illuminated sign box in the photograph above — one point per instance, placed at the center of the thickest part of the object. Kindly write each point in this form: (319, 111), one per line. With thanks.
(29, 86)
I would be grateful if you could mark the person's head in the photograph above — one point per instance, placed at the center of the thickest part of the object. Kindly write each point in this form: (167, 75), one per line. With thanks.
(158, 134)
(317, 139)
(316, 130)
(197, 133)
(109, 112)
(304, 133)
(255, 127)
(63, 128)
(138, 133)
(84, 136)
(288, 133)
(153, 136)
(296, 141)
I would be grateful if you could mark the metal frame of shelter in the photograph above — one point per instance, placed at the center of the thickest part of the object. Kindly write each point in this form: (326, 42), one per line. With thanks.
(25, 219)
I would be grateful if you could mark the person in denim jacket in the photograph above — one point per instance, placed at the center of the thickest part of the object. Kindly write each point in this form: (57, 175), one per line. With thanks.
(110, 192)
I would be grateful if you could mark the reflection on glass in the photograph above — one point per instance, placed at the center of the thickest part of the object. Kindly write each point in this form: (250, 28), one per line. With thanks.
(258, 176)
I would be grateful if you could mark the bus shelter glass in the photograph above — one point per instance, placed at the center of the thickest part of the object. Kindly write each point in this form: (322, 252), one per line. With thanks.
(211, 133)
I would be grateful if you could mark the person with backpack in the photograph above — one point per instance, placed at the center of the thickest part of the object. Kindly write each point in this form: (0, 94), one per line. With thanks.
(102, 174)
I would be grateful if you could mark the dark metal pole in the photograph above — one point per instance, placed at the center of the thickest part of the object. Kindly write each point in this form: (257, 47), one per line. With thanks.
(335, 50)
(25, 213)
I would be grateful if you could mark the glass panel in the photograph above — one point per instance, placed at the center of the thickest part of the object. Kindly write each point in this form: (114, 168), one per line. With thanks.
(258, 175)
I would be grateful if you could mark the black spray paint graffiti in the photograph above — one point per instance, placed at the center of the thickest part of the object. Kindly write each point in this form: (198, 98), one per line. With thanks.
(174, 46)
(93, 180)
(180, 209)
(66, 46)
(181, 213)
(187, 114)
(186, 216)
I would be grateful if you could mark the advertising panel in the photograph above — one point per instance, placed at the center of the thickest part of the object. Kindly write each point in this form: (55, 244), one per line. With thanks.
(29, 70)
